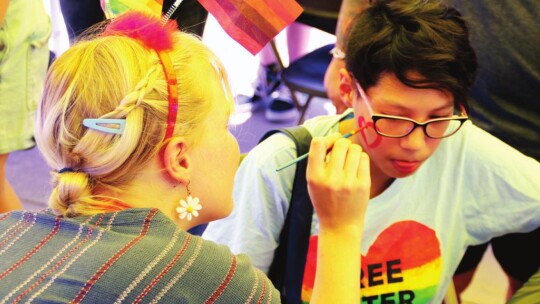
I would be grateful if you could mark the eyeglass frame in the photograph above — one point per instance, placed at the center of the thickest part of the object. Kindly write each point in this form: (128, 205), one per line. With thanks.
(374, 117)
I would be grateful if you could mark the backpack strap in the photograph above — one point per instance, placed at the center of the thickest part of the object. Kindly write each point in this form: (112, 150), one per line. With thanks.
(287, 268)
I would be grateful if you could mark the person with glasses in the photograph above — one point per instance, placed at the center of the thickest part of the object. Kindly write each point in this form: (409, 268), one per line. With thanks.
(439, 183)
(501, 98)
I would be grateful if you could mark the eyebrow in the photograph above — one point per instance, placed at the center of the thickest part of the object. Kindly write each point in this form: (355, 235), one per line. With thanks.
(400, 107)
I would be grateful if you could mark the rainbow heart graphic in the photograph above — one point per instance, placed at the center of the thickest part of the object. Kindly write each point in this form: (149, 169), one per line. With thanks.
(403, 265)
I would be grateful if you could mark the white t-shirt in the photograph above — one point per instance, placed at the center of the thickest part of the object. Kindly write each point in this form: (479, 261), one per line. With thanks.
(473, 188)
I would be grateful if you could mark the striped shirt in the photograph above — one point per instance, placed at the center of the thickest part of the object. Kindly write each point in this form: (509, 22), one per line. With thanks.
(132, 256)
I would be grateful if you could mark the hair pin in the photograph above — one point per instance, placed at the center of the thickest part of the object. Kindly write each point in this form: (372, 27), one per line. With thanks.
(106, 125)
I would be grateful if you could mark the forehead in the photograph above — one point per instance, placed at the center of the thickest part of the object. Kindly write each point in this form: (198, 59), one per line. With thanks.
(390, 91)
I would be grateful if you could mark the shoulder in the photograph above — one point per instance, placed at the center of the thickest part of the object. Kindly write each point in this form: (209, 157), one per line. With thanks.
(321, 125)
(473, 156)
(478, 147)
(486, 166)
(281, 145)
(234, 277)
(279, 149)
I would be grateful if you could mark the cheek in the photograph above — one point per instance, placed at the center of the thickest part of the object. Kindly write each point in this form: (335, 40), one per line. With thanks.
(370, 138)
(229, 158)
(225, 159)
(381, 149)
(231, 152)
(218, 161)
(432, 146)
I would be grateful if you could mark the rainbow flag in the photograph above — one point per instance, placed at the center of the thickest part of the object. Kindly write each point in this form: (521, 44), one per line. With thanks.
(113, 8)
(253, 23)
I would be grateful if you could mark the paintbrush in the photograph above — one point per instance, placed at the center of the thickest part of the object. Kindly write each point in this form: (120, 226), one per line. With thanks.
(300, 158)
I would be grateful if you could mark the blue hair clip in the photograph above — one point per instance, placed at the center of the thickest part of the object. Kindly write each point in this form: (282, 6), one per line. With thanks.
(106, 125)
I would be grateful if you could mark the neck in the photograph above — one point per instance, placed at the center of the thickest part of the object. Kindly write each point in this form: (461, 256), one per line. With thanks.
(379, 182)
(149, 189)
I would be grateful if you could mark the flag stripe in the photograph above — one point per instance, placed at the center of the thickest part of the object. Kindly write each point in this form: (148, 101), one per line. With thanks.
(236, 25)
(279, 13)
(265, 19)
(253, 23)
(260, 32)
(112, 8)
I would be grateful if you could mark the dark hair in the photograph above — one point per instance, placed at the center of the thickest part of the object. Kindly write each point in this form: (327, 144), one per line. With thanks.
(403, 36)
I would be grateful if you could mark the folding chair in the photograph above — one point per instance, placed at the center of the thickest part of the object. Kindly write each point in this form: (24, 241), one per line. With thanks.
(306, 74)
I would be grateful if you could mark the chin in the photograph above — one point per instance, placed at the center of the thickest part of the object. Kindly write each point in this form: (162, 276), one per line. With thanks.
(402, 175)
(219, 213)
(227, 210)
(393, 174)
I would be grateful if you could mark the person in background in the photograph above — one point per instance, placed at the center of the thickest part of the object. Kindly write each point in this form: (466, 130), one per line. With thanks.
(269, 91)
(507, 82)
(439, 183)
(134, 124)
(82, 14)
(25, 29)
(190, 16)
(348, 12)
(501, 103)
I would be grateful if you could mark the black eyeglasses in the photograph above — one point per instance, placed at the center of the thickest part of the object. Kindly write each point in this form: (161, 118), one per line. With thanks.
(397, 126)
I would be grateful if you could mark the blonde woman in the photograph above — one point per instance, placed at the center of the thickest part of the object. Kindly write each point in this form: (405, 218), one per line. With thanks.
(133, 123)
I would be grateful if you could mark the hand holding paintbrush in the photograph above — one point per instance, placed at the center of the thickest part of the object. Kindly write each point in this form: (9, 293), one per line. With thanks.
(339, 187)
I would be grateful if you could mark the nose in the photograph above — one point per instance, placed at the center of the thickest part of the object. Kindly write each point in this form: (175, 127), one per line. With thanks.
(416, 140)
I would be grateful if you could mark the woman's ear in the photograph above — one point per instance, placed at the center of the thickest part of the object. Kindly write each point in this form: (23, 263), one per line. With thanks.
(176, 161)
(346, 88)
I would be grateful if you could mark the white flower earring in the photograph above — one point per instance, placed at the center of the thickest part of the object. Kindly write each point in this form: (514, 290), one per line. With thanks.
(190, 208)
